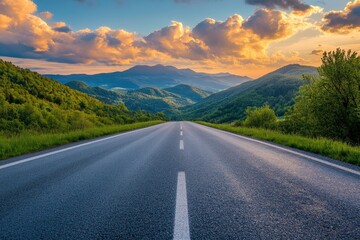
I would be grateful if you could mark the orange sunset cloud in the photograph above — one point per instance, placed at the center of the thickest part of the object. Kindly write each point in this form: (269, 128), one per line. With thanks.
(237, 42)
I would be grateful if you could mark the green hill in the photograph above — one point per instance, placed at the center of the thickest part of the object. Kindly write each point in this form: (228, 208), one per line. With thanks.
(186, 91)
(101, 94)
(155, 92)
(155, 100)
(278, 89)
(148, 99)
(29, 101)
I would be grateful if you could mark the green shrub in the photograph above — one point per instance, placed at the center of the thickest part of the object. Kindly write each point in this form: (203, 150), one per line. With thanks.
(263, 117)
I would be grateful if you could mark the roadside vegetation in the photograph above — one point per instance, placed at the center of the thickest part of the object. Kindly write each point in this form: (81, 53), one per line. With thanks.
(37, 112)
(29, 141)
(323, 146)
(329, 105)
(325, 118)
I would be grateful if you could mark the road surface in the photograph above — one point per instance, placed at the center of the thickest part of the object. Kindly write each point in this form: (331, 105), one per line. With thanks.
(178, 180)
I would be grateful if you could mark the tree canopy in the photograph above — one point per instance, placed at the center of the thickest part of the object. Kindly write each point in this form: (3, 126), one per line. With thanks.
(330, 105)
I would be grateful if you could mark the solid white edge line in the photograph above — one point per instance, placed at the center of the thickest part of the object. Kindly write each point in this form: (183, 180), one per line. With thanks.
(181, 223)
(69, 148)
(291, 151)
(181, 145)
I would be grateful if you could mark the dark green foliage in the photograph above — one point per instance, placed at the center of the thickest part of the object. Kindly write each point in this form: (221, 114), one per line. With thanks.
(330, 105)
(263, 117)
(99, 93)
(29, 101)
(193, 93)
(277, 89)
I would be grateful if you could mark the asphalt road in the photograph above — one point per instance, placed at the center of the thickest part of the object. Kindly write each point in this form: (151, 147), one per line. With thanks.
(178, 180)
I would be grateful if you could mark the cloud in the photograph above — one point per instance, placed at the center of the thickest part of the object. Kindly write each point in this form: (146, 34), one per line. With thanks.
(317, 52)
(176, 41)
(242, 40)
(17, 9)
(61, 27)
(46, 15)
(268, 24)
(4, 21)
(298, 6)
(343, 21)
(233, 41)
(22, 26)
(287, 4)
(27, 35)
(104, 45)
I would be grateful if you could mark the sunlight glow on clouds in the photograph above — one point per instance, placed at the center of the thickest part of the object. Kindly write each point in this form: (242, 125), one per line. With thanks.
(236, 42)
(343, 21)
(46, 15)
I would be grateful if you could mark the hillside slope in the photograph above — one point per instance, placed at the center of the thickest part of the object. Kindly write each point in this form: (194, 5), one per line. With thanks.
(154, 100)
(190, 92)
(278, 89)
(148, 99)
(99, 93)
(29, 101)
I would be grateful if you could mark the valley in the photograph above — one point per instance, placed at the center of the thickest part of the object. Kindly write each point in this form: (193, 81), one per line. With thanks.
(278, 89)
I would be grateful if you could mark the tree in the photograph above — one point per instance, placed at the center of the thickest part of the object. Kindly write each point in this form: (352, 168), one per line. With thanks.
(263, 117)
(329, 105)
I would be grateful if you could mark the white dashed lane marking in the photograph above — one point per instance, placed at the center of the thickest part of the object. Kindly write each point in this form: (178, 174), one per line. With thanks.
(181, 224)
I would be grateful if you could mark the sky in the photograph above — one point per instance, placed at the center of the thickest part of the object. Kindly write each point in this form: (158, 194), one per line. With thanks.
(244, 37)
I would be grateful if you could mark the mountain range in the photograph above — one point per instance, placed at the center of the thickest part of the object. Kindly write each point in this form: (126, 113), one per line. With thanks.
(154, 100)
(278, 89)
(157, 76)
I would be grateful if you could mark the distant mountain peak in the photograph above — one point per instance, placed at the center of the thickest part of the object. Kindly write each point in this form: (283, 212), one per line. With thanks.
(160, 76)
(295, 70)
(151, 70)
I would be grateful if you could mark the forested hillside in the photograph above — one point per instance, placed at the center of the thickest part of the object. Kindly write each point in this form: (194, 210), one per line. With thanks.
(148, 99)
(186, 91)
(29, 101)
(106, 96)
(167, 100)
(154, 100)
(277, 89)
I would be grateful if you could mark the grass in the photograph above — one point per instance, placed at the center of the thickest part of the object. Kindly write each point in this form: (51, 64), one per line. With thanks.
(326, 147)
(29, 142)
